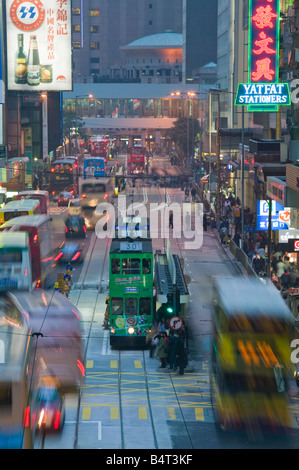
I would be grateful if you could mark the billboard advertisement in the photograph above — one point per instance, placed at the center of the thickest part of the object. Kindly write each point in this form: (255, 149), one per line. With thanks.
(39, 41)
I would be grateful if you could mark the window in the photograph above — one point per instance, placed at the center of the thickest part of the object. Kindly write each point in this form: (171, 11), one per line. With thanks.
(76, 11)
(94, 71)
(150, 22)
(95, 60)
(146, 266)
(117, 306)
(115, 266)
(94, 45)
(94, 12)
(150, 5)
(94, 29)
(76, 44)
(145, 306)
(130, 306)
(131, 266)
(76, 28)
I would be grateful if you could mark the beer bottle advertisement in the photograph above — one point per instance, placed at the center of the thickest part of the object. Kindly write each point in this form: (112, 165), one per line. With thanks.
(21, 62)
(38, 38)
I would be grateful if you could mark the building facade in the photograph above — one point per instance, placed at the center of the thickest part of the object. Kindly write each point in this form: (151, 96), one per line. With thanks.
(101, 27)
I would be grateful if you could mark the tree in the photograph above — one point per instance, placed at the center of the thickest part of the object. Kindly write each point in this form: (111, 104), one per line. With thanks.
(73, 126)
(184, 135)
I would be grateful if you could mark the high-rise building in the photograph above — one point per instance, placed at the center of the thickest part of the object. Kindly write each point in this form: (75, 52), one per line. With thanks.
(199, 35)
(101, 27)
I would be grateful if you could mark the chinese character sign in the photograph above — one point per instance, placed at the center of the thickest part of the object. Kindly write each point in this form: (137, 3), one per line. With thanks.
(39, 55)
(263, 41)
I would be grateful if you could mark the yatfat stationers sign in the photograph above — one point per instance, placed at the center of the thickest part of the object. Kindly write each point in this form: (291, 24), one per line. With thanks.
(263, 94)
(39, 43)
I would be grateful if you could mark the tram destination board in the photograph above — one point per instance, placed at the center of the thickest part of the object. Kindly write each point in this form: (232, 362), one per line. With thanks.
(130, 246)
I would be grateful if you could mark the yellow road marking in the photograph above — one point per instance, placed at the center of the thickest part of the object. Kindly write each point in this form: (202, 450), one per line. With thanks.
(142, 414)
(114, 413)
(138, 364)
(199, 414)
(171, 413)
(113, 364)
(86, 413)
(89, 364)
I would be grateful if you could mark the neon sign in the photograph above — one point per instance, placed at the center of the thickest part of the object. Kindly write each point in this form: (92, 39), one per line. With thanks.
(263, 92)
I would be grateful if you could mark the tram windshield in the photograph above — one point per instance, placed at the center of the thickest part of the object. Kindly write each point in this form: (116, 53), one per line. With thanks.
(145, 306)
(131, 266)
(131, 306)
(117, 306)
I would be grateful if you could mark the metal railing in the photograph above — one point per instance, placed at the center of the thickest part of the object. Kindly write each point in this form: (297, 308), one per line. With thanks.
(241, 256)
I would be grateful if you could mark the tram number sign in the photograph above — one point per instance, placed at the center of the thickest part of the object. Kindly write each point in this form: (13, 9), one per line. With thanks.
(176, 323)
(128, 246)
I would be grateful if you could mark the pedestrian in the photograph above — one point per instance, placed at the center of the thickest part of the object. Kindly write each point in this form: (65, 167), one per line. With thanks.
(186, 193)
(162, 326)
(171, 219)
(193, 194)
(205, 222)
(161, 350)
(258, 264)
(180, 353)
(151, 340)
(172, 351)
(280, 268)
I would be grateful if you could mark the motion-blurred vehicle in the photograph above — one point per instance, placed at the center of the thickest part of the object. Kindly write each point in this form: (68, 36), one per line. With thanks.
(17, 208)
(15, 263)
(48, 409)
(74, 207)
(58, 352)
(75, 227)
(39, 230)
(64, 198)
(250, 356)
(41, 196)
(69, 253)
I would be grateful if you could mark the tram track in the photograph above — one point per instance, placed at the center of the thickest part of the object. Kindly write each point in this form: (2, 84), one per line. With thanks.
(99, 290)
(147, 405)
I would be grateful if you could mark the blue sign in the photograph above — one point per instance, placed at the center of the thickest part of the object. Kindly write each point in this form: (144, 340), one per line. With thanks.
(262, 94)
(131, 290)
(262, 219)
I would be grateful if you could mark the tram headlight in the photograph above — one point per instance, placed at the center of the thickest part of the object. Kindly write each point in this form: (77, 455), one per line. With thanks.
(112, 330)
(131, 330)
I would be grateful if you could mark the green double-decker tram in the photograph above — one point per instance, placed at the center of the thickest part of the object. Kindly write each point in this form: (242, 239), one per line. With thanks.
(131, 283)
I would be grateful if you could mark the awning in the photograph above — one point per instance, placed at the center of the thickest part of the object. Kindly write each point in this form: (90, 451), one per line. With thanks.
(18, 159)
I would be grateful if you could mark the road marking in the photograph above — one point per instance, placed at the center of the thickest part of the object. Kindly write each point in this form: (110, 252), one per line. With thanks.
(89, 364)
(86, 413)
(138, 364)
(106, 350)
(171, 413)
(113, 364)
(99, 430)
(199, 416)
(142, 414)
(114, 413)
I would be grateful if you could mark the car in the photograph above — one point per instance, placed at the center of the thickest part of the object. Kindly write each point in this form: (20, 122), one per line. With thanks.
(74, 207)
(64, 198)
(75, 227)
(69, 252)
(48, 409)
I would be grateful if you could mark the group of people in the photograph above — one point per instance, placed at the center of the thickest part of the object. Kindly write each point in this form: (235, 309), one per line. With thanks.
(170, 348)
(284, 273)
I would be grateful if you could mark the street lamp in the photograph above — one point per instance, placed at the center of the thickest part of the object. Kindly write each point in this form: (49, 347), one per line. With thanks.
(90, 96)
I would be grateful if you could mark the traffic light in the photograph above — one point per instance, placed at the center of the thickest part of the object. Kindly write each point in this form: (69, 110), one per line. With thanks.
(169, 309)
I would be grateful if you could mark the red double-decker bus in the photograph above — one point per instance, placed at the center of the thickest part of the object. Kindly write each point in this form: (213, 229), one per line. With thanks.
(136, 160)
(98, 146)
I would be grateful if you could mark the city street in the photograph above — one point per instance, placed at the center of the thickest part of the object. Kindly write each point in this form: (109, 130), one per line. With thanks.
(123, 388)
